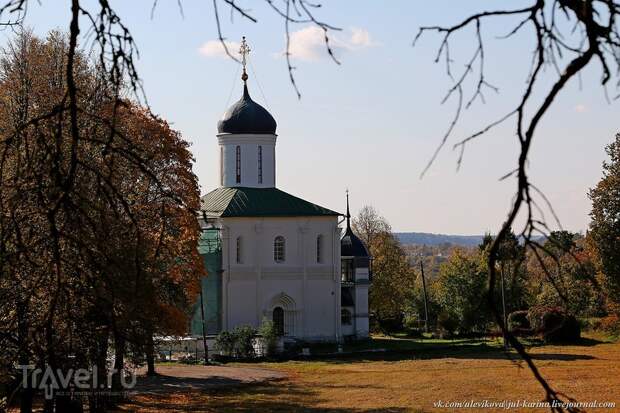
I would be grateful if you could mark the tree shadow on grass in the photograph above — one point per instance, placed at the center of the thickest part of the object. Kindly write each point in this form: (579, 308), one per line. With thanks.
(165, 384)
(582, 342)
(274, 396)
(464, 349)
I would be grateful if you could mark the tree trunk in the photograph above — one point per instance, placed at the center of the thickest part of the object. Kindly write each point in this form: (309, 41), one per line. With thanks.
(119, 362)
(150, 356)
(66, 404)
(48, 406)
(25, 400)
(98, 402)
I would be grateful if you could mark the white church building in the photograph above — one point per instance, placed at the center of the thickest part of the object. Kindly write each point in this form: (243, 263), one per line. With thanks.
(269, 254)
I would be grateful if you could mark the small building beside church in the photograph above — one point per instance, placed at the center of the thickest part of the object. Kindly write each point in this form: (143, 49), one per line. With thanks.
(272, 255)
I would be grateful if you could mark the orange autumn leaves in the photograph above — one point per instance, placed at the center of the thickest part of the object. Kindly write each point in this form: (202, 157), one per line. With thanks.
(111, 252)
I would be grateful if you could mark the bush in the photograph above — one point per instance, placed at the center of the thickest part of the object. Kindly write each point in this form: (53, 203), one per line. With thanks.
(225, 343)
(293, 348)
(269, 335)
(412, 321)
(535, 316)
(447, 323)
(413, 326)
(590, 323)
(555, 325)
(244, 341)
(415, 333)
(375, 328)
(560, 328)
(611, 324)
(517, 320)
(391, 324)
(238, 343)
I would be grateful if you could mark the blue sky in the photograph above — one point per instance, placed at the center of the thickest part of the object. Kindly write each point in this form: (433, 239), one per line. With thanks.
(372, 123)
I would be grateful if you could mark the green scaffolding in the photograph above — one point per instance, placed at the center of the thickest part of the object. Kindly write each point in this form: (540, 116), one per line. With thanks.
(210, 249)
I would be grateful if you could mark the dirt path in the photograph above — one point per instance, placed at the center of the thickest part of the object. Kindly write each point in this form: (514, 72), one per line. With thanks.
(189, 377)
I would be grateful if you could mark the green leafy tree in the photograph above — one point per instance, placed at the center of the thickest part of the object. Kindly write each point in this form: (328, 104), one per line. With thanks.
(605, 224)
(244, 341)
(560, 242)
(225, 343)
(564, 275)
(460, 290)
(393, 284)
(511, 269)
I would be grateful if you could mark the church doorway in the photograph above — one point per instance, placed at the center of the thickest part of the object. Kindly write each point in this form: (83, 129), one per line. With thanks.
(281, 310)
(278, 320)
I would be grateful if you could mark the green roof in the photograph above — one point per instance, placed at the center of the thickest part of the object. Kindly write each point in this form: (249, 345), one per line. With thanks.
(258, 202)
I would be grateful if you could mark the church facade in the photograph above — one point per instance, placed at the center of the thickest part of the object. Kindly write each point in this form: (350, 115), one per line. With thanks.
(269, 254)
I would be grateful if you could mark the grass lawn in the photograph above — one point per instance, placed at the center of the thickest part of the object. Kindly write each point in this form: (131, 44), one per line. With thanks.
(420, 373)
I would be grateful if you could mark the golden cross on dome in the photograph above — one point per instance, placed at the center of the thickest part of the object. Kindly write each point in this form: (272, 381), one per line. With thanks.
(244, 51)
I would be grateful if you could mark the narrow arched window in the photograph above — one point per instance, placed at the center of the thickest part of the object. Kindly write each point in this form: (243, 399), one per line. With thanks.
(260, 164)
(345, 317)
(278, 320)
(221, 166)
(279, 249)
(239, 250)
(319, 248)
(348, 271)
(238, 164)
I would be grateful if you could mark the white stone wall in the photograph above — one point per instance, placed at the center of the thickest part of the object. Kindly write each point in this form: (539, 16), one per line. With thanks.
(361, 323)
(349, 329)
(308, 291)
(248, 145)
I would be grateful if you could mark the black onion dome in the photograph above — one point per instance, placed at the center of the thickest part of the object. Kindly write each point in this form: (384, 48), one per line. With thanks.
(352, 246)
(247, 116)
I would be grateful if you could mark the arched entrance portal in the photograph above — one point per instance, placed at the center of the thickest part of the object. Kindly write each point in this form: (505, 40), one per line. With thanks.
(282, 310)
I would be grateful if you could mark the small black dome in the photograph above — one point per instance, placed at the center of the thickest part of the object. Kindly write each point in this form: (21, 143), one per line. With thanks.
(247, 116)
(352, 246)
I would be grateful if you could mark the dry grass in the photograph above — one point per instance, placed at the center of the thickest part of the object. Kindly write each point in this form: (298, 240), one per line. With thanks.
(400, 382)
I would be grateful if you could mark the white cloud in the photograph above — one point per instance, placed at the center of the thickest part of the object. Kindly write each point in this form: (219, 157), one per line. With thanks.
(214, 48)
(580, 108)
(306, 43)
(309, 43)
(361, 38)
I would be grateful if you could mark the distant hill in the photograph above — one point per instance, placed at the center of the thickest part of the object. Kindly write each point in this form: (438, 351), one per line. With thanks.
(425, 238)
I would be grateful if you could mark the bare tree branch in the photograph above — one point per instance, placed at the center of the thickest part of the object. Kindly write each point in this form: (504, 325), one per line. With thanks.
(598, 41)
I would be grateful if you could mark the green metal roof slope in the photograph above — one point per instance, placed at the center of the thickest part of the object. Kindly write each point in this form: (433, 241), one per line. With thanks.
(258, 202)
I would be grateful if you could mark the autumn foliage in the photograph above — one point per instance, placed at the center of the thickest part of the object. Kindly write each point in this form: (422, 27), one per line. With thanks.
(98, 229)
